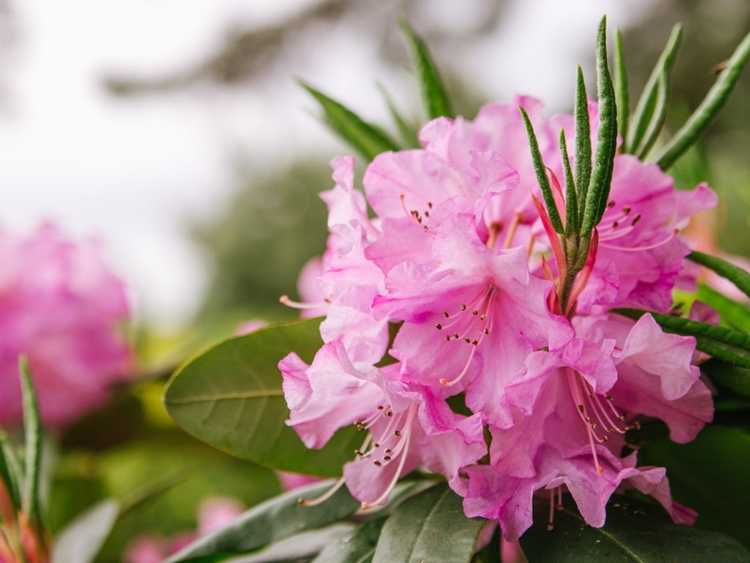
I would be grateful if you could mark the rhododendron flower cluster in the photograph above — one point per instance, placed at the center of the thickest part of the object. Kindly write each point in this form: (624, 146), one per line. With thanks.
(62, 307)
(461, 258)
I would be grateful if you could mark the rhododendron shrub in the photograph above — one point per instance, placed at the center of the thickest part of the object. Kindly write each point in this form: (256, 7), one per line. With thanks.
(497, 313)
(64, 308)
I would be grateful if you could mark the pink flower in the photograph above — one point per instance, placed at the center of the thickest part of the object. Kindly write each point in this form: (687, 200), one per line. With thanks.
(463, 261)
(62, 307)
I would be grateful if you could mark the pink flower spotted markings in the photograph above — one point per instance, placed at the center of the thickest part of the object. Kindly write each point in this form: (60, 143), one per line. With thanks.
(63, 308)
(462, 257)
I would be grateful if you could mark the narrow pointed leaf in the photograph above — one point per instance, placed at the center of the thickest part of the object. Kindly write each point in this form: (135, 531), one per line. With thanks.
(430, 526)
(645, 109)
(635, 532)
(732, 313)
(606, 143)
(728, 377)
(571, 202)
(708, 109)
(541, 175)
(734, 274)
(657, 118)
(33, 445)
(731, 346)
(406, 130)
(10, 470)
(367, 139)
(622, 94)
(357, 547)
(231, 398)
(583, 140)
(434, 95)
(82, 539)
(276, 519)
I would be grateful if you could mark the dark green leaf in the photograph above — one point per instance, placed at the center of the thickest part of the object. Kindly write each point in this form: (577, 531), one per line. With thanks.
(541, 174)
(583, 140)
(644, 111)
(732, 313)
(658, 116)
(82, 539)
(708, 109)
(434, 95)
(430, 526)
(728, 377)
(571, 201)
(720, 342)
(10, 470)
(606, 143)
(271, 521)
(734, 274)
(406, 130)
(622, 94)
(367, 139)
(231, 398)
(710, 476)
(635, 532)
(33, 445)
(358, 547)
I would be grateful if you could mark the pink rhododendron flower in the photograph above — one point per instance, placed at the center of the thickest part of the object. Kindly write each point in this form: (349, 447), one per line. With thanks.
(61, 306)
(462, 259)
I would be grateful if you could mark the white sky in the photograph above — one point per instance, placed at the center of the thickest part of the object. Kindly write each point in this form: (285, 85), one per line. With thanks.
(132, 171)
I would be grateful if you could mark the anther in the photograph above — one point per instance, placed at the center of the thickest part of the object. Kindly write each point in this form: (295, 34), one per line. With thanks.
(398, 433)
(611, 203)
(439, 326)
(636, 219)
(376, 462)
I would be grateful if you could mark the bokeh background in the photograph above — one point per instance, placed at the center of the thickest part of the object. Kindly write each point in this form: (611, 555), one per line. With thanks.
(174, 130)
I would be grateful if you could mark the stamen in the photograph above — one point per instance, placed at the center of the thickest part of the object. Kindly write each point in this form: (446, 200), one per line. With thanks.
(512, 230)
(324, 497)
(641, 248)
(551, 518)
(285, 300)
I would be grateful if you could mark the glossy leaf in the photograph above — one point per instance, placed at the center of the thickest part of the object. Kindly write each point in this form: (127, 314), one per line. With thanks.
(430, 526)
(720, 342)
(634, 532)
(406, 130)
(33, 445)
(541, 174)
(367, 139)
(708, 108)
(271, 521)
(82, 539)
(357, 547)
(231, 398)
(622, 94)
(734, 274)
(644, 111)
(434, 95)
(606, 142)
(709, 475)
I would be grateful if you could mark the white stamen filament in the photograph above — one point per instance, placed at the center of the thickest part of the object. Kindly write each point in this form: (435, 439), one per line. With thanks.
(285, 300)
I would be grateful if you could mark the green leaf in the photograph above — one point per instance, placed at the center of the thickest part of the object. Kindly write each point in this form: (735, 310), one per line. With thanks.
(606, 143)
(635, 532)
(571, 201)
(406, 130)
(367, 139)
(708, 108)
(430, 526)
(82, 539)
(734, 274)
(709, 475)
(357, 547)
(33, 445)
(541, 174)
(583, 140)
(732, 313)
(729, 377)
(644, 111)
(657, 118)
(231, 398)
(10, 470)
(271, 521)
(720, 342)
(622, 94)
(434, 95)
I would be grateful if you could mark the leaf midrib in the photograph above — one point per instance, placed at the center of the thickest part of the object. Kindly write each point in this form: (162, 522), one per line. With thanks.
(629, 552)
(239, 395)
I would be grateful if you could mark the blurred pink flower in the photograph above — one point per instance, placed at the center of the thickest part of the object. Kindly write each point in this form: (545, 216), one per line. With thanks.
(290, 481)
(62, 307)
(249, 327)
(213, 514)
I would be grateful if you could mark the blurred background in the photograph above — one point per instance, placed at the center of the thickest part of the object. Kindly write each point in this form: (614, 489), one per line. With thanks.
(174, 131)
